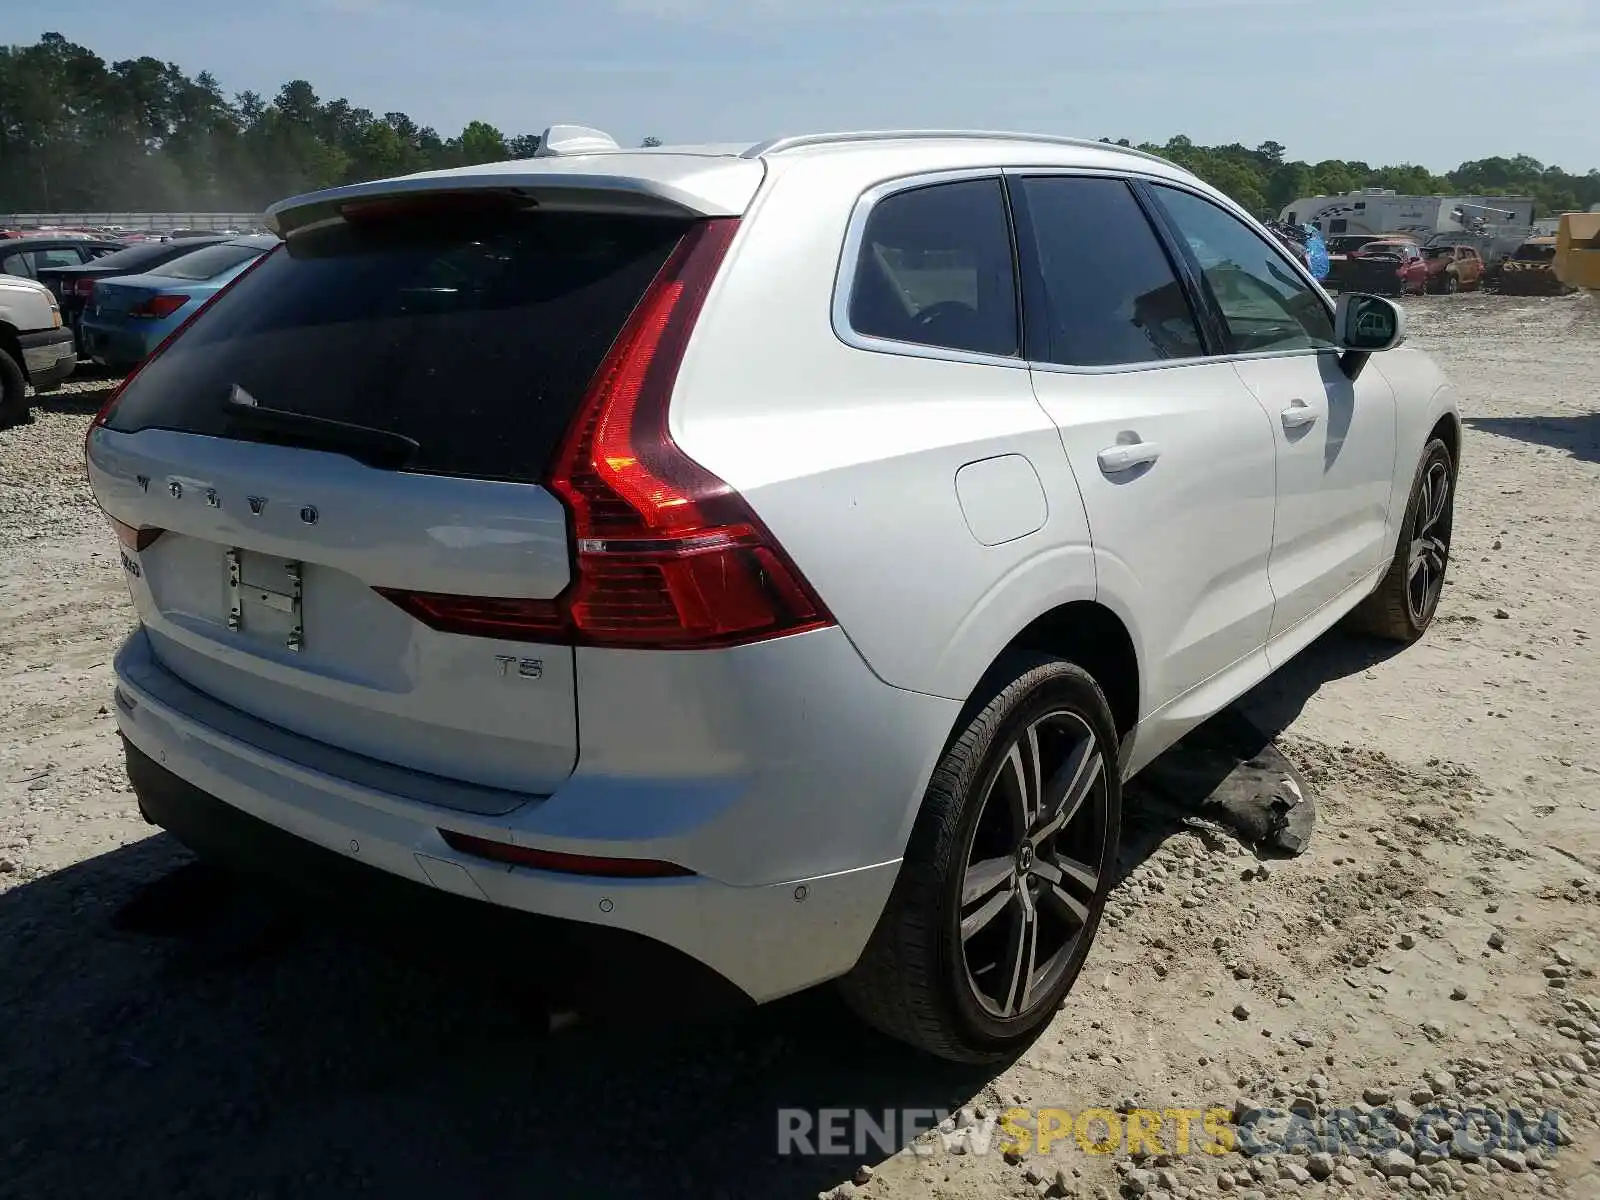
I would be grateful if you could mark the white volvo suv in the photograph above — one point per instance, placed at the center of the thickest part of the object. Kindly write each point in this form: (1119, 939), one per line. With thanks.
(728, 569)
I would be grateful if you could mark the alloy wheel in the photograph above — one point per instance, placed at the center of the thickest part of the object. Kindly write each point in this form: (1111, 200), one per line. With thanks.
(1034, 865)
(1430, 543)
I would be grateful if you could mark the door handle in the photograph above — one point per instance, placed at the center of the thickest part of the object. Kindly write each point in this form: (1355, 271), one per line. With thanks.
(1126, 455)
(1298, 415)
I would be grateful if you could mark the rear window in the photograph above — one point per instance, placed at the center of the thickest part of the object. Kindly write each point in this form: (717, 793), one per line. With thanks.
(1535, 253)
(136, 258)
(475, 338)
(209, 262)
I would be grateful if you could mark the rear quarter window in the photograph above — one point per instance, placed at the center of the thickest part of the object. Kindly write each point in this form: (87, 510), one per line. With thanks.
(934, 268)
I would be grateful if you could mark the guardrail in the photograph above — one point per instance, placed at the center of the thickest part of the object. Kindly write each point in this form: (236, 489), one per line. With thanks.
(164, 221)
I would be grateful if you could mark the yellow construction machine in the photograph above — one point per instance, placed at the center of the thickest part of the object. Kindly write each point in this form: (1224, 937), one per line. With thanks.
(1577, 261)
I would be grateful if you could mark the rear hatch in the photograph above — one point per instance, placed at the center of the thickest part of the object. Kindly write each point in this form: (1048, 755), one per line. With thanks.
(409, 380)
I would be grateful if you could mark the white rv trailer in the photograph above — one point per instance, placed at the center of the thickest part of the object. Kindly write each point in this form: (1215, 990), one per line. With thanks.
(1380, 210)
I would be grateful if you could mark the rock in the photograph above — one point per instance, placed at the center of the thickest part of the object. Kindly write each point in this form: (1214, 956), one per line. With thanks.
(1497, 940)
(1302, 1038)
(864, 1173)
(1345, 1177)
(1225, 1182)
(1243, 1106)
(1407, 942)
(1377, 1097)
(1458, 992)
(1241, 1011)
(1442, 1082)
(1511, 1160)
(1138, 1181)
(1422, 1095)
(1406, 1113)
(1320, 1165)
(1501, 614)
(1533, 1158)
(1295, 1172)
(1394, 1163)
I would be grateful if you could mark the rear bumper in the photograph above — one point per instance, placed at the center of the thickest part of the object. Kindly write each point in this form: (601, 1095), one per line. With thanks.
(49, 356)
(599, 968)
(113, 346)
(794, 864)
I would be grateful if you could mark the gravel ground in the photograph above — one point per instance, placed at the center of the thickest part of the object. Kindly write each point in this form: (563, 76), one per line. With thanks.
(1431, 954)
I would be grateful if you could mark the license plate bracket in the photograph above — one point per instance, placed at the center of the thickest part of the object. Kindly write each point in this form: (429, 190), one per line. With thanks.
(290, 602)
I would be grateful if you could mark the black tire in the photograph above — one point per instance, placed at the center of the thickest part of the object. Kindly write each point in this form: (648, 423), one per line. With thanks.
(1397, 609)
(1451, 284)
(916, 980)
(13, 392)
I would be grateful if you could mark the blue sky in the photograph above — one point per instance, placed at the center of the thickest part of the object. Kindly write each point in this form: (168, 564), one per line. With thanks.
(1427, 81)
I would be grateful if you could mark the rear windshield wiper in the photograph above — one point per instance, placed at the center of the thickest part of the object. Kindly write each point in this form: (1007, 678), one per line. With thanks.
(373, 447)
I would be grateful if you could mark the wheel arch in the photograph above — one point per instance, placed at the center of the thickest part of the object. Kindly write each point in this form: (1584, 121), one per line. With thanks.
(1084, 632)
(11, 347)
(1448, 430)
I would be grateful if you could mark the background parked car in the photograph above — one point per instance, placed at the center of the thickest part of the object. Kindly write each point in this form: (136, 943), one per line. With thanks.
(1531, 270)
(27, 256)
(1453, 268)
(128, 316)
(1340, 247)
(73, 285)
(1387, 267)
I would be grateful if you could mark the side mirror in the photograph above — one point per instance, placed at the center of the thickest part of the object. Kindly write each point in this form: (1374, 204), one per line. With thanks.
(1365, 325)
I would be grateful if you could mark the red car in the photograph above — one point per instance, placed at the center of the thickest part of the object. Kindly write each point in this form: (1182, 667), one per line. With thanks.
(1387, 267)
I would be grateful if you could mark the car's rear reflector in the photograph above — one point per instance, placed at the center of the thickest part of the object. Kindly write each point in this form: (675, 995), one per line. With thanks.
(560, 862)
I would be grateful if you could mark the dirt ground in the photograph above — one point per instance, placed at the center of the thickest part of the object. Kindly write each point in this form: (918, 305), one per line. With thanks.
(1437, 943)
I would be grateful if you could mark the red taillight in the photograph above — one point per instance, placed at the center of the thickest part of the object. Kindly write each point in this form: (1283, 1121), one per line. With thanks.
(82, 287)
(566, 864)
(158, 307)
(668, 555)
(104, 414)
(140, 538)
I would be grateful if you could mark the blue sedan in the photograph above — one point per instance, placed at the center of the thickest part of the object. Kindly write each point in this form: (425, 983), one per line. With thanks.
(128, 316)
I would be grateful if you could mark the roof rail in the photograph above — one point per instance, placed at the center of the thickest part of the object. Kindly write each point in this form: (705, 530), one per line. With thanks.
(779, 145)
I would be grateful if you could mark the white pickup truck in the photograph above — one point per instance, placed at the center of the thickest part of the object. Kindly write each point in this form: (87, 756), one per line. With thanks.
(34, 347)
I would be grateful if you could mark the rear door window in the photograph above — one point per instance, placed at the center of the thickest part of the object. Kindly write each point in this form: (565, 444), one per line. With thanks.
(1111, 295)
(935, 268)
(474, 336)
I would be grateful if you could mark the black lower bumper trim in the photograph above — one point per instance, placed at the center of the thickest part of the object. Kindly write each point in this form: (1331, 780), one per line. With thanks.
(598, 970)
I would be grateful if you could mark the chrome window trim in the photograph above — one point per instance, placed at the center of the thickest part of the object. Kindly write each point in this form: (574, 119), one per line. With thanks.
(845, 273)
(844, 277)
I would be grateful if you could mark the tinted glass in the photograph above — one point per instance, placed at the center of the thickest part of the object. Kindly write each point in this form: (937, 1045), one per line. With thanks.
(1265, 304)
(15, 264)
(208, 262)
(477, 338)
(935, 269)
(1111, 294)
(136, 259)
(61, 256)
